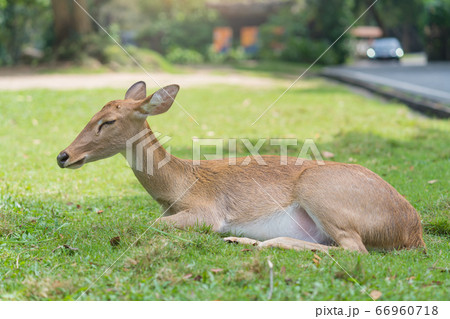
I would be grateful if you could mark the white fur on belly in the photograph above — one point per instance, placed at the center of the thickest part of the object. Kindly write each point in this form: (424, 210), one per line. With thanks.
(292, 222)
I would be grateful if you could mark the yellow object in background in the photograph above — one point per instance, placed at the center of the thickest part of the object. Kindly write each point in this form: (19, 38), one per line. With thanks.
(249, 39)
(222, 37)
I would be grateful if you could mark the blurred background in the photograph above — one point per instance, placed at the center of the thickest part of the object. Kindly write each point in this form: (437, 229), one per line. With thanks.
(58, 32)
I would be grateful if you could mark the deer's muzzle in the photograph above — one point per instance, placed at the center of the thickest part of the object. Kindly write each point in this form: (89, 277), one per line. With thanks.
(62, 159)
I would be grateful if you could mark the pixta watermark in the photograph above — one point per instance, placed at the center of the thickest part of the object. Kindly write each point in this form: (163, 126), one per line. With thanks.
(141, 148)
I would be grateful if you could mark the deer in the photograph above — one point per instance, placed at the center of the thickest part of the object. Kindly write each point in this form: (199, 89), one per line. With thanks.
(286, 205)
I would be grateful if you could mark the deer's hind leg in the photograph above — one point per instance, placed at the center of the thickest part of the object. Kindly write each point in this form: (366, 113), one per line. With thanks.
(280, 242)
(354, 206)
(341, 224)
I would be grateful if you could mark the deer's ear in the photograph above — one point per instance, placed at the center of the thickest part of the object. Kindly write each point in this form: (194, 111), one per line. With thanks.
(160, 101)
(137, 91)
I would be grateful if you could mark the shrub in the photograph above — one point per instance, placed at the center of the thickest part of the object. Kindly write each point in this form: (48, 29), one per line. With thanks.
(214, 57)
(184, 56)
(233, 55)
(177, 24)
(150, 60)
(237, 54)
(79, 48)
(308, 50)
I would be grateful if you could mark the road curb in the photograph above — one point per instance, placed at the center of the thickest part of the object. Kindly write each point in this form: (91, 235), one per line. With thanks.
(414, 101)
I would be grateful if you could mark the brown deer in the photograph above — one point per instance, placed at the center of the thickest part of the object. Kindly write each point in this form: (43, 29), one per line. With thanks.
(307, 206)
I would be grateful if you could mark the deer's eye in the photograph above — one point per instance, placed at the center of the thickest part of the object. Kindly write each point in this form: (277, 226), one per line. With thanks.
(105, 123)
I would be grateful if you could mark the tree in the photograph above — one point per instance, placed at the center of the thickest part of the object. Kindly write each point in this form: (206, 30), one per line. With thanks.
(438, 30)
(23, 23)
(327, 21)
(397, 18)
(309, 29)
(70, 21)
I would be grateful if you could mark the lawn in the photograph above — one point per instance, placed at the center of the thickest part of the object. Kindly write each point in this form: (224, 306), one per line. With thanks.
(43, 208)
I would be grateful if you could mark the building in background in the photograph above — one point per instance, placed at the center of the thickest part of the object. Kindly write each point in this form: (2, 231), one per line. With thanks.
(243, 19)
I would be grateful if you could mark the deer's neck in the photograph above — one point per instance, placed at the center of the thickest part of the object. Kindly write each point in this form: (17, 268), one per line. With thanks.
(164, 176)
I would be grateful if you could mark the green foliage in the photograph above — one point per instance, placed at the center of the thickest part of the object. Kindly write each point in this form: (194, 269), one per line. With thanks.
(237, 54)
(23, 23)
(117, 59)
(175, 24)
(79, 48)
(328, 22)
(307, 51)
(214, 57)
(309, 31)
(233, 55)
(438, 30)
(184, 56)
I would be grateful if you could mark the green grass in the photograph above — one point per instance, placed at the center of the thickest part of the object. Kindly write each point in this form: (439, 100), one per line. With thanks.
(43, 207)
(273, 68)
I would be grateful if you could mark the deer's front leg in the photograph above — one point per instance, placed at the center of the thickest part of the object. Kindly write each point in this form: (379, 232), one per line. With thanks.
(191, 217)
(280, 242)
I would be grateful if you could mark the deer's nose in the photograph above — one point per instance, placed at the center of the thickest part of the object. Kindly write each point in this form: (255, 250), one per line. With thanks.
(62, 159)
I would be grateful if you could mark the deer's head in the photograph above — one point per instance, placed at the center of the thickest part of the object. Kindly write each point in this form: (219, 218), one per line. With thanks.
(107, 132)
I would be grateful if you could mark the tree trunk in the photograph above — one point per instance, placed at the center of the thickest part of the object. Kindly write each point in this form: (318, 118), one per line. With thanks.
(406, 37)
(82, 22)
(62, 20)
(70, 19)
(377, 17)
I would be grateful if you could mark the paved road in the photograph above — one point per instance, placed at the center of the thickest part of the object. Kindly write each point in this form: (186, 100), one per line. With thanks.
(431, 81)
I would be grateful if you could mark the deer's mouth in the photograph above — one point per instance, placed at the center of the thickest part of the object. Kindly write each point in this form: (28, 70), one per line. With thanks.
(76, 164)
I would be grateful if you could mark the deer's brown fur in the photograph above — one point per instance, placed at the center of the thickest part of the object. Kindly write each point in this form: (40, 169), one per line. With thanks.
(342, 204)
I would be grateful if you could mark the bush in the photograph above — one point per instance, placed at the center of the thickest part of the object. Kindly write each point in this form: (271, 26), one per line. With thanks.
(177, 24)
(80, 48)
(237, 54)
(184, 56)
(214, 57)
(308, 50)
(150, 60)
(233, 55)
